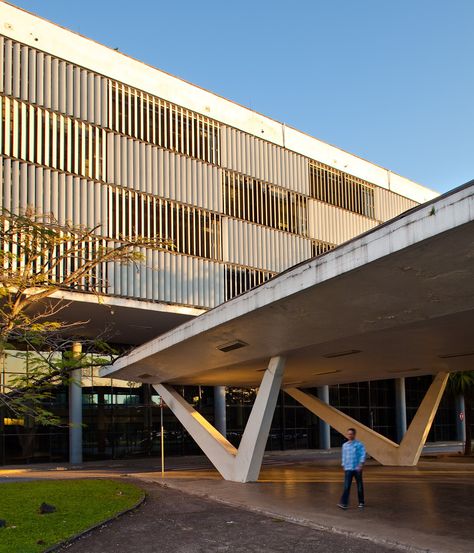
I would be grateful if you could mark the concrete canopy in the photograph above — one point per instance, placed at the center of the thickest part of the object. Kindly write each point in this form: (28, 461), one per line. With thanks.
(113, 319)
(396, 301)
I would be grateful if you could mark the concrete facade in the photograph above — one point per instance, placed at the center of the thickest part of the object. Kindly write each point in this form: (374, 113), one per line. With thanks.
(100, 139)
(298, 315)
(394, 293)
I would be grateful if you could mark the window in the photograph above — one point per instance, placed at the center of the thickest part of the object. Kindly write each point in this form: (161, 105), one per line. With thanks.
(37, 135)
(151, 119)
(318, 247)
(341, 189)
(240, 279)
(253, 200)
(186, 229)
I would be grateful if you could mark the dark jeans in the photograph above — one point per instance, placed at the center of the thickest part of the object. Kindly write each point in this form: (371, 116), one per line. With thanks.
(348, 475)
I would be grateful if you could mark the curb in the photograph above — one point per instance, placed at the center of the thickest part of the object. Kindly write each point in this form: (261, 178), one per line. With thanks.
(69, 541)
(301, 521)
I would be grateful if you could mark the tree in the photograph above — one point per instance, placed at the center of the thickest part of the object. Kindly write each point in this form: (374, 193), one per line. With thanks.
(462, 383)
(38, 258)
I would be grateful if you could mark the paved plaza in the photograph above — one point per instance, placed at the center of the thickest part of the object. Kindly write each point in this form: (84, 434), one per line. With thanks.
(424, 508)
(174, 522)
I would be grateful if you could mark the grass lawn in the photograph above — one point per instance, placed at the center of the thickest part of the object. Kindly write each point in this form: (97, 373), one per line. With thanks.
(79, 504)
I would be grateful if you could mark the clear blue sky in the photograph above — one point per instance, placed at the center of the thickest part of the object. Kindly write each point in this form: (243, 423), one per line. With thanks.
(391, 81)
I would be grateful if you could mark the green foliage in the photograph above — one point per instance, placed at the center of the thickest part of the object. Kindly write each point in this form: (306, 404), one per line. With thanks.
(29, 391)
(461, 382)
(79, 504)
(39, 257)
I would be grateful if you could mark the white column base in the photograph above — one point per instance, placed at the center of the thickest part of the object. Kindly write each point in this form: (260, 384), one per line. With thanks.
(242, 464)
(378, 446)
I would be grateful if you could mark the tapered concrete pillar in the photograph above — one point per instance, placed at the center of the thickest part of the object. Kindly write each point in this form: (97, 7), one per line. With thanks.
(254, 439)
(220, 420)
(75, 410)
(242, 464)
(460, 419)
(324, 428)
(400, 408)
(405, 454)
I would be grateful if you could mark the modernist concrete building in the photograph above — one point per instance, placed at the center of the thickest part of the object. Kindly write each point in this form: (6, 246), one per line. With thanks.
(101, 139)
(413, 314)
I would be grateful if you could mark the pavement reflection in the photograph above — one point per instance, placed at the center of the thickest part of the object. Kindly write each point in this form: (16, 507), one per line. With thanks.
(428, 507)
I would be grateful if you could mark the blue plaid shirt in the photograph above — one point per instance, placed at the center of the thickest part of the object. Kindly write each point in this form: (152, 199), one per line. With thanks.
(353, 455)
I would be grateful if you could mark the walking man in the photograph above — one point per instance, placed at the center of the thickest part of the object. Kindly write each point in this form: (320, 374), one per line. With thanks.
(353, 459)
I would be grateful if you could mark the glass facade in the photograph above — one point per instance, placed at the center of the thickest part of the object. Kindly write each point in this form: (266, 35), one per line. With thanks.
(444, 427)
(124, 421)
(371, 403)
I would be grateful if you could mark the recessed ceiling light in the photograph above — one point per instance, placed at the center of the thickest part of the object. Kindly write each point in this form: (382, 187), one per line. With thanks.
(341, 353)
(449, 355)
(236, 344)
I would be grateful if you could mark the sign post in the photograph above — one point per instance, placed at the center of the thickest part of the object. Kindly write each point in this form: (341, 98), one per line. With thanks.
(162, 433)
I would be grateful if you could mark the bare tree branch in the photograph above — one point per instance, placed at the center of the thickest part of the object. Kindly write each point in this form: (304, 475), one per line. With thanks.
(39, 256)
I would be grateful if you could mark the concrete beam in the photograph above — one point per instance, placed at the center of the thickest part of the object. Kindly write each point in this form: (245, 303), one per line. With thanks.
(242, 464)
(398, 260)
(254, 440)
(412, 444)
(218, 450)
(379, 447)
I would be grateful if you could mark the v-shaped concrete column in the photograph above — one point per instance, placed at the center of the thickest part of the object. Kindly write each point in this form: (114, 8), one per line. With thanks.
(378, 446)
(242, 464)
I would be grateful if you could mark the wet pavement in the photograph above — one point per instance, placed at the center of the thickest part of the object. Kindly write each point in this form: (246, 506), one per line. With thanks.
(424, 508)
(427, 507)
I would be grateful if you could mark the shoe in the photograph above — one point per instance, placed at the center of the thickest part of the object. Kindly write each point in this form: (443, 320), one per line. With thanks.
(341, 506)
(361, 505)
